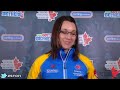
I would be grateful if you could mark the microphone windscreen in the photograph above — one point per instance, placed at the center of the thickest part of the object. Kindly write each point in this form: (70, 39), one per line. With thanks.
(80, 77)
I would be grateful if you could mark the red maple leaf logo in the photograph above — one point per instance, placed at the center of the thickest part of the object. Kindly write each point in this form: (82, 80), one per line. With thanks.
(52, 15)
(119, 62)
(52, 66)
(115, 72)
(22, 14)
(17, 64)
(87, 39)
(77, 67)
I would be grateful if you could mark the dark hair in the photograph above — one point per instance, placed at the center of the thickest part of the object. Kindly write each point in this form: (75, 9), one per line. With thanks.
(55, 46)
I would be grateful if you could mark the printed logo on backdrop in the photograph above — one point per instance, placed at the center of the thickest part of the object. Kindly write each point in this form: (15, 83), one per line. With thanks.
(13, 64)
(95, 72)
(43, 37)
(112, 38)
(12, 37)
(85, 39)
(81, 14)
(19, 14)
(92, 61)
(112, 14)
(50, 15)
(114, 66)
(4, 75)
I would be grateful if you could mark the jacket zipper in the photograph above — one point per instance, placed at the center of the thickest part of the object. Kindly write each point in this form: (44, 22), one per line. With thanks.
(64, 65)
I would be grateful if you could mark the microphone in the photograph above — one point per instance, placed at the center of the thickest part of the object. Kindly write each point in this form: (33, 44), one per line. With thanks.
(80, 77)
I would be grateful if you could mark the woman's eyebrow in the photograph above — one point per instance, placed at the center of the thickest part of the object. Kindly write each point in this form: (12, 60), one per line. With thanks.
(67, 30)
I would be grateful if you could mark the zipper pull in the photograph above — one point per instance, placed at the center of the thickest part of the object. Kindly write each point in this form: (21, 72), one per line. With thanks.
(64, 65)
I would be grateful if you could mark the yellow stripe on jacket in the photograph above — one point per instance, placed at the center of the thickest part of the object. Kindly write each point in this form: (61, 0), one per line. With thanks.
(35, 68)
(89, 65)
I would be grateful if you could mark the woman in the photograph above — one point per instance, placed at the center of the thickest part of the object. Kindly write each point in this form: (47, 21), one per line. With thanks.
(64, 60)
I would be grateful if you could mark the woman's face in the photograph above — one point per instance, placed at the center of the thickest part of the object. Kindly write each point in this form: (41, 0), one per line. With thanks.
(67, 35)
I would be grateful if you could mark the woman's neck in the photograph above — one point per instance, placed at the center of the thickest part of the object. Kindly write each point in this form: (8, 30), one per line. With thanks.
(66, 50)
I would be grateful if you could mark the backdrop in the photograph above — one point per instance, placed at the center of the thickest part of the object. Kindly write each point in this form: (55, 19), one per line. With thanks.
(26, 34)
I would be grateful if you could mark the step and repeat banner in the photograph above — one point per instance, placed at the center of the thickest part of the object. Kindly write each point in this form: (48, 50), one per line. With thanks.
(24, 35)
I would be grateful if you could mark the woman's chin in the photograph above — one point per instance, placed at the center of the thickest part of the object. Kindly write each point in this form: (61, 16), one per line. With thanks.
(66, 48)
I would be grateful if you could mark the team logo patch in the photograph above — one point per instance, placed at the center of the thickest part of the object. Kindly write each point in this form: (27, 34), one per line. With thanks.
(77, 67)
(52, 66)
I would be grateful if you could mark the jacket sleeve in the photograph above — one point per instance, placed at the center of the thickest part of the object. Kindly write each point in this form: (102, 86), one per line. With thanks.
(35, 69)
(91, 70)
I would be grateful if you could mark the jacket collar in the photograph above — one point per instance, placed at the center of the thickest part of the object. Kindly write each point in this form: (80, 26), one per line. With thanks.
(63, 54)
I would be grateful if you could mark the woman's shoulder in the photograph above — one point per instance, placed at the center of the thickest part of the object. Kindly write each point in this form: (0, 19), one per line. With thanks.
(42, 57)
(85, 59)
(45, 55)
(82, 56)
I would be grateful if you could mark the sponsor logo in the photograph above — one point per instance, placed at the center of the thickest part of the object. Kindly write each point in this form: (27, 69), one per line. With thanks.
(52, 70)
(85, 39)
(81, 14)
(13, 14)
(43, 37)
(77, 73)
(4, 75)
(14, 64)
(13, 75)
(112, 38)
(114, 66)
(112, 14)
(12, 37)
(50, 15)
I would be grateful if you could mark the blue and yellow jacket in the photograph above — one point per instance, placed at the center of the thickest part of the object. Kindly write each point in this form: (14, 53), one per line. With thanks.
(63, 67)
